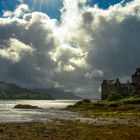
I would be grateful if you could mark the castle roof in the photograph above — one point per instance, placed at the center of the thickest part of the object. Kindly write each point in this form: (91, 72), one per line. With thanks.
(137, 71)
(110, 82)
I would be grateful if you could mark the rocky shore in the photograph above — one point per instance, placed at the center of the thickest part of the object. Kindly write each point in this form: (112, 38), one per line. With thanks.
(128, 129)
(100, 121)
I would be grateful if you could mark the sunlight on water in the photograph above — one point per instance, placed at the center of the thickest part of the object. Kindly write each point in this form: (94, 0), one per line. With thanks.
(51, 109)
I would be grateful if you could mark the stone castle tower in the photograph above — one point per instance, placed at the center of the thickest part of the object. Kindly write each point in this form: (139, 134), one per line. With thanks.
(136, 81)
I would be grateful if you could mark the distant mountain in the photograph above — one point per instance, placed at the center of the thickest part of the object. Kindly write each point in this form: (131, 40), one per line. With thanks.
(12, 91)
(59, 94)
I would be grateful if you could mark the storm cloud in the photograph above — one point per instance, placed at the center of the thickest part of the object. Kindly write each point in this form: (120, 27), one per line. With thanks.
(76, 53)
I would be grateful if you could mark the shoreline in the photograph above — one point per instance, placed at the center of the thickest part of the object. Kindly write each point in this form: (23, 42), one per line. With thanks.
(87, 125)
(100, 120)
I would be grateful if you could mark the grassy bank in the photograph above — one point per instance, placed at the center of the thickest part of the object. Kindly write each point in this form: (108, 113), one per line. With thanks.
(68, 130)
(126, 107)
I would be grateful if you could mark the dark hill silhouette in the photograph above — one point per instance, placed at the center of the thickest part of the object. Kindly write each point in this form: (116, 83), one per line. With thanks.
(59, 94)
(13, 91)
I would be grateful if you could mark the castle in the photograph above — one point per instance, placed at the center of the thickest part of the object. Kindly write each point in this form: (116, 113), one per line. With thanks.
(125, 89)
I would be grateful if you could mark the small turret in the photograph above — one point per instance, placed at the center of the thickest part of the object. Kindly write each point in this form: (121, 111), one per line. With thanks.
(136, 76)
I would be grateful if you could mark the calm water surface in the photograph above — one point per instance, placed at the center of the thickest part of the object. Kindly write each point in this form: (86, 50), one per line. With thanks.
(52, 109)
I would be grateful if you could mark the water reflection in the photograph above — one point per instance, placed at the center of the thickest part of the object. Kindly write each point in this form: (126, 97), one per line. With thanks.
(52, 109)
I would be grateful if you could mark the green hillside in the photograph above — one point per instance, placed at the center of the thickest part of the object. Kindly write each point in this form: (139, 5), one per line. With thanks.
(12, 91)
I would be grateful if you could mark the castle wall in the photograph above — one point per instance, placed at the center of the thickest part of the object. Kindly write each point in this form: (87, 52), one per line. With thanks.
(125, 89)
(108, 88)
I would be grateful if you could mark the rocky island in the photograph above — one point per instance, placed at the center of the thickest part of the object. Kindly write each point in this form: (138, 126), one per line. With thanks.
(20, 106)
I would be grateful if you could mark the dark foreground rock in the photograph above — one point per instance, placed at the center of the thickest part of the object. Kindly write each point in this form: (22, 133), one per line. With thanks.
(20, 106)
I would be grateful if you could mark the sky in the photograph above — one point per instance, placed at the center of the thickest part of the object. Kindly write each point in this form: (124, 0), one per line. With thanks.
(68, 44)
(51, 7)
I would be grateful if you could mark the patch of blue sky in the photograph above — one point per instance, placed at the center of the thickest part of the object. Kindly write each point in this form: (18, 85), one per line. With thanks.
(52, 7)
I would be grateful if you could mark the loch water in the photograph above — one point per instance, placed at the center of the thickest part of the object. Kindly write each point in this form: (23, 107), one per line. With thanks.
(51, 109)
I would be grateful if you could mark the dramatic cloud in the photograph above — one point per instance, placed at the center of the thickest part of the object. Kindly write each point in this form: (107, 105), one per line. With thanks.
(76, 53)
(19, 11)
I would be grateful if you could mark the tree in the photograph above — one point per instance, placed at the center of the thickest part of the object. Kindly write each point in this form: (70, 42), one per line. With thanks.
(114, 96)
